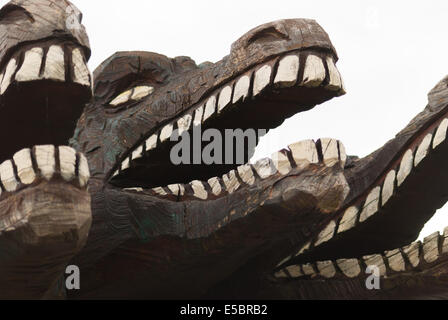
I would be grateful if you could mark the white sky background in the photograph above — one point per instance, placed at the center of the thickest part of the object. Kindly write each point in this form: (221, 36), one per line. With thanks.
(392, 53)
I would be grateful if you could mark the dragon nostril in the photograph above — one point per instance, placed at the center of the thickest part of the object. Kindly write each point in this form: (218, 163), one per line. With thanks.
(268, 34)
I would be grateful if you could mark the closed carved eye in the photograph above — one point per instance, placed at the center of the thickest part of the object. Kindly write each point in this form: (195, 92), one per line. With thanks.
(131, 95)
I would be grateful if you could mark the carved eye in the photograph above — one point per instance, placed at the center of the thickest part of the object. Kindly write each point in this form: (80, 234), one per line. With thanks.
(132, 95)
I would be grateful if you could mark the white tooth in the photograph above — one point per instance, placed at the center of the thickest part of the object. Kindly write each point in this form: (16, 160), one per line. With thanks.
(198, 116)
(83, 171)
(45, 158)
(388, 187)
(287, 71)
(348, 221)
(423, 149)
(160, 191)
(335, 77)
(67, 160)
(431, 247)
(31, 65)
(405, 167)
(215, 186)
(184, 123)
(371, 204)
(125, 164)
(135, 189)
(224, 98)
(141, 91)
(413, 253)
(280, 274)
(395, 259)
(281, 162)
(330, 151)
(326, 234)
(241, 89)
(294, 271)
(349, 267)
(440, 134)
(121, 98)
(284, 261)
(115, 173)
(377, 261)
(246, 174)
(265, 168)
(314, 72)
(231, 181)
(210, 108)
(7, 176)
(304, 248)
(24, 165)
(81, 72)
(10, 69)
(166, 132)
(304, 152)
(308, 269)
(177, 189)
(326, 269)
(262, 79)
(199, 190)
(342, 154)
(55, 65)
(138, 153)
(151, 143)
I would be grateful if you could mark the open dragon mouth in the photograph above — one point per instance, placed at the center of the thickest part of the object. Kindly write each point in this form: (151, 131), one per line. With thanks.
(254, 100)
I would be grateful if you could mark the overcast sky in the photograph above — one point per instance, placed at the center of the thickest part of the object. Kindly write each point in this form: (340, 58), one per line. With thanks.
(391, 54)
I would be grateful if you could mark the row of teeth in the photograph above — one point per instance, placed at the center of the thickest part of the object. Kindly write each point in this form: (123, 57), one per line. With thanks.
(28, 165)
(286, 76)
(31, 70)
(403, 259)
(381, 194)
(303, 154)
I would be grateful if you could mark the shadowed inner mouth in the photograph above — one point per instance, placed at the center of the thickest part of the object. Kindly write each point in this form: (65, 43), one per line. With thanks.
(261, 98)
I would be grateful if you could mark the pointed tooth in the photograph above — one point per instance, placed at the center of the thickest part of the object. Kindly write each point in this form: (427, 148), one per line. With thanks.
(349, 267)
(371, 204)
(348, 221)
(388, 187)
(262, 79)
(166, 132)
(160, 191)
(115, 173)
(224, 98)
(405, 167)
(377, 261)
(198, 116)
(10, 69)
(395, 260)
(241, 89)
(431, 247)
(423, 149)
(199, 190)
(81, 73)
(330, 152)
(287, 71)
(125, 164)
(335, 83)
(412, 251)
(326, 269)
(30, 68)
(305, 248)
(440, 135)
(308, 269)
(135, 189)
(210, 108)
(215, 186)
(55, 65)
(45, 158)
(265, 168)
(67, 161)
(184, 124)
(231, 181)
(284, 261)
(304, 152)
(294, 271)
(326, 234)
(314, 73)
(121, 98)
(83, 170)
(281, 162)
(280, 274)
(141, 92)
(246, 174)
(138, 153)
(7, 176)
(151, 142)
(24, 165)
(177, 189)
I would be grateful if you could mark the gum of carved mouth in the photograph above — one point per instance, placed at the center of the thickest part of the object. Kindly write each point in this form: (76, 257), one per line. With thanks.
(372, 205)
(298, 72)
